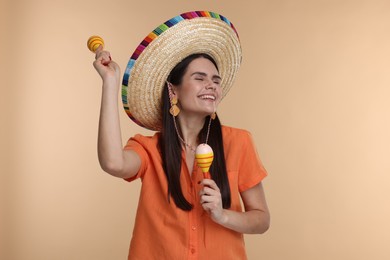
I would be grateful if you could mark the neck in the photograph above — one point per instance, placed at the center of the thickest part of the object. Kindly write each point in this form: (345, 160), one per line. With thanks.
(190, 128)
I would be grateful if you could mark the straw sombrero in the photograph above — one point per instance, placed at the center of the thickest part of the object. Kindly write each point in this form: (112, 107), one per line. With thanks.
(171, 42)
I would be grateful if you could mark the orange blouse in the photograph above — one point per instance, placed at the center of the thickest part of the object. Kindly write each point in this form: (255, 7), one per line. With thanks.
(163, 231)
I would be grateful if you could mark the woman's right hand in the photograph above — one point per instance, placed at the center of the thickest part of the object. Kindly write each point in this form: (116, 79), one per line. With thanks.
(108, 69)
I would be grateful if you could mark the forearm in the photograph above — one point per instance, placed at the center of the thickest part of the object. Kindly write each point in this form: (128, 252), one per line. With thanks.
(110, 150)
(249, 222)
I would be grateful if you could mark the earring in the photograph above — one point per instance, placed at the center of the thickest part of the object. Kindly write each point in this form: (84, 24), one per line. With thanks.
(174, 110)
(213, 115)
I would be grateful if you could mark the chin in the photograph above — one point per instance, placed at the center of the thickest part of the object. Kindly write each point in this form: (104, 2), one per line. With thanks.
(208, 113)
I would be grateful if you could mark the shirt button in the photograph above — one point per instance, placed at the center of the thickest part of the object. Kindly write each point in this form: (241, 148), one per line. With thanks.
(192, 251)
(193, 228)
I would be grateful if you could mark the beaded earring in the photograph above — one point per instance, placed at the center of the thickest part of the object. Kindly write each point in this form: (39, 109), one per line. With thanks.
(213, 115)
(174, 110)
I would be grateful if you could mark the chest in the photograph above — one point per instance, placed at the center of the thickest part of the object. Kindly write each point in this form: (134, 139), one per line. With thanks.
(190, 161)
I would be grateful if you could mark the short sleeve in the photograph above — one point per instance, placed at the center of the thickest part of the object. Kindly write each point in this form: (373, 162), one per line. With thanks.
(251, 169)
(137, 144)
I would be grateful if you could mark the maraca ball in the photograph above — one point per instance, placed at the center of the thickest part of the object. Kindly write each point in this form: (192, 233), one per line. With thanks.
(94, 42)
(204, 156)
(203, 149)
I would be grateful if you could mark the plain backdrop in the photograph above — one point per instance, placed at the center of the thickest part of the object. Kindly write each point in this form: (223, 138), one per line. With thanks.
(313, 89)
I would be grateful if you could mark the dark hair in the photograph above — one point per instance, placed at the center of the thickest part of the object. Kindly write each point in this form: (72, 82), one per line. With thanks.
(171, 147)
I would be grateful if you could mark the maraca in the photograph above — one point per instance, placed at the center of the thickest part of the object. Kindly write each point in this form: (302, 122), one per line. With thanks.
(204, 157)
(94, 42)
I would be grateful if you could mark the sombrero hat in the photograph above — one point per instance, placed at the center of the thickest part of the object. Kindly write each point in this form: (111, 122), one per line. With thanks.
(167, 45)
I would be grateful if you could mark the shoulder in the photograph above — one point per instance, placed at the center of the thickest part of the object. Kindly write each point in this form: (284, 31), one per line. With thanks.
(146, 138)
(147, 142)
(234, 134)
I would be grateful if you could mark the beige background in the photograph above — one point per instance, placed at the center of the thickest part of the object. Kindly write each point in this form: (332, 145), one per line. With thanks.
(313, 90)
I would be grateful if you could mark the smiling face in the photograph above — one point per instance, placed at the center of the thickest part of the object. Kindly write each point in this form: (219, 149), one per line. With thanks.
(200, 90)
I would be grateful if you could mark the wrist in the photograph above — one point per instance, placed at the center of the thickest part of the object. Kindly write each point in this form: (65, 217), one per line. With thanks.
(224, 218)
(111, 86)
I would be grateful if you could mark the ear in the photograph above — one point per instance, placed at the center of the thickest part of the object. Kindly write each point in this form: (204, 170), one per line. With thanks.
(171, 90)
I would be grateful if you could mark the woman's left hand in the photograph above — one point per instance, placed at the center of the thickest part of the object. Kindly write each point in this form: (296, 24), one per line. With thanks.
(211, 200)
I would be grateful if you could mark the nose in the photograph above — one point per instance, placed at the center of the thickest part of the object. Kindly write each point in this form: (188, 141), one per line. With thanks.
(211, 85)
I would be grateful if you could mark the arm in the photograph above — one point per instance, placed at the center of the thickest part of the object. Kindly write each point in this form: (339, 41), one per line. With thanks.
(255, 219)
(112, 158)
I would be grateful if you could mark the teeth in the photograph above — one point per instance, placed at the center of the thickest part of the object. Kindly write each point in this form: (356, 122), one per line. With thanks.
(207, 97)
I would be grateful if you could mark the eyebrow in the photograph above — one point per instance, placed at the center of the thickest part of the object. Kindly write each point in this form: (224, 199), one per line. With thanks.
(204, 75)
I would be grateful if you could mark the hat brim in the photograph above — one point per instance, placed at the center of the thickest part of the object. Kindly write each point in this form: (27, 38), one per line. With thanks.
(158, 54)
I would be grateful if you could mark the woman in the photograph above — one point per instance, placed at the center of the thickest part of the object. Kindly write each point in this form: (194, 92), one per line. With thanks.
(181, 214)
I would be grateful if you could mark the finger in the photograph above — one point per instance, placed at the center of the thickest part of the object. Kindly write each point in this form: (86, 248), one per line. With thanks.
(98, 51)
(203, 191)
(206, 199)
(209, 191)
(209, 206)
(209, 199)
(106, 61)
(105, 58)
(102, 54)
(210, 183)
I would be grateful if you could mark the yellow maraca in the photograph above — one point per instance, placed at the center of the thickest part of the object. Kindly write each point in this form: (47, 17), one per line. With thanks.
(94, 42)
(204, 156)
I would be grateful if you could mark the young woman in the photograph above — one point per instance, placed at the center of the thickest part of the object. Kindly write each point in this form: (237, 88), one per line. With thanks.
(181, 214)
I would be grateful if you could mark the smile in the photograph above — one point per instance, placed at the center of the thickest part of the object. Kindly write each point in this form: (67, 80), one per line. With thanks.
(207, 97)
